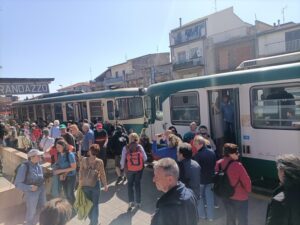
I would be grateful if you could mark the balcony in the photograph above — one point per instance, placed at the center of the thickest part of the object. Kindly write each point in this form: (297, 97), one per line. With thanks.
(114, 81)
(196, 62)
(133, 76)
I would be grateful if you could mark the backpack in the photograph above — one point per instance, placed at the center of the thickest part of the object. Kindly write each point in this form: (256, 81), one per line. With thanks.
(221, 184)
(134, 156)
(16, 172)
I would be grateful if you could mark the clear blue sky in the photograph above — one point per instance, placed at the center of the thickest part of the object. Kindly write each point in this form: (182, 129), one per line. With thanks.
(76, 40)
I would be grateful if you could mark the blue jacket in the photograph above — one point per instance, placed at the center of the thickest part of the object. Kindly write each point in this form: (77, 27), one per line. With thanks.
(34, 176)
(164, 152)
(176, 207)
(207, 160)
(189, 174)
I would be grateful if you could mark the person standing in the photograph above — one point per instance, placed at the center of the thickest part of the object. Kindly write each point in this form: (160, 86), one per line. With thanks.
(101, 138)
(91, 170)
(227, 109)
(207, 160)
(133, 157)
(189, 169)
(77, 134)
(118, 141)
(189, 136)
(36, 134)
(65, 168)
(178, 204)
(237, 205)
(284, 208)
(69, 138)
(88, 139)
(30, 180)
(55, 131)
(47, 142)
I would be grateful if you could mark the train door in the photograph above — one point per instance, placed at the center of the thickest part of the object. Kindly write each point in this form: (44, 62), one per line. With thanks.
(224, 116)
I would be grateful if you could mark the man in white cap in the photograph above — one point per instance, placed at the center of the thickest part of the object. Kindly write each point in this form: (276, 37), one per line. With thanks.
(30, 180)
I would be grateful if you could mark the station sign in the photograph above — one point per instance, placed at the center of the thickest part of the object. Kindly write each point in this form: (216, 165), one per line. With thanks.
(24, 88)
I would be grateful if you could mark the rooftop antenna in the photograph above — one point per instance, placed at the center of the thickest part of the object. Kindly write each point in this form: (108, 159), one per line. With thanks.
(215, 5)
(91, 73)
(282, 12)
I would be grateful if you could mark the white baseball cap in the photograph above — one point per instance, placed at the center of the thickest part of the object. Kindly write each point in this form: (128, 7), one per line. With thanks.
(34, 152)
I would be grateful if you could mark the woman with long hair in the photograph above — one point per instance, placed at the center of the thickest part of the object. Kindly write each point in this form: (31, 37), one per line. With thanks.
(284, 208)
(66, 170)
(91, 171)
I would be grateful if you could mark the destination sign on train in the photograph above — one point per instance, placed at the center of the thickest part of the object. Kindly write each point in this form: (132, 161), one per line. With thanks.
(23, 88)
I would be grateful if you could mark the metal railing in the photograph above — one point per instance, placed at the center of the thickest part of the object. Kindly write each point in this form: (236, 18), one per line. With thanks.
(188, 64)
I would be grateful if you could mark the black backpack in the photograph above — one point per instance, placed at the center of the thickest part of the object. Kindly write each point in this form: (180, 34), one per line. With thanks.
(222, 186)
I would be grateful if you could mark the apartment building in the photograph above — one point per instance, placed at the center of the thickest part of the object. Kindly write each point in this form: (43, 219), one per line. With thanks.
(136, 72)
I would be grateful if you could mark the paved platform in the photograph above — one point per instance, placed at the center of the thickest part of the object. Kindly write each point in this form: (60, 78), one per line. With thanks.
(113, 206)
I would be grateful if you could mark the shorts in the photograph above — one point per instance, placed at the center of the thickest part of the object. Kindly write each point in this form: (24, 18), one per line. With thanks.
(117, 161)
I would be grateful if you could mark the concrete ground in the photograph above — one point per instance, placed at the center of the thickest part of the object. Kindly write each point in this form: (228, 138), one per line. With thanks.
(113, 206)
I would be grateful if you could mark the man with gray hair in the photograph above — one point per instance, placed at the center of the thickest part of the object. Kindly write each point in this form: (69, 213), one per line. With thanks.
(88, 139)
(177, 200)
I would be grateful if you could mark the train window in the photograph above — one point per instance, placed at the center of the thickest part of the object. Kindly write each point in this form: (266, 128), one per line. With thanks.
(276, 106)
(110, 110)
(48, 112)
(148, 107)
(185, 108)
(70, 111)
(31, 112)
(96, 110)
(39, 112)
(130, 108)
(58, 111)
(158, 108)
(23, 114)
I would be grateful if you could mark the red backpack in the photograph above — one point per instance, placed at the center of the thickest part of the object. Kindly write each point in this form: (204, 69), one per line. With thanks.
(134, 156)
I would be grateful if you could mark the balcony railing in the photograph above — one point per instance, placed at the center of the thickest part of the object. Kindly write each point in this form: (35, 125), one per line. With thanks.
(188, 64)
(113, 81)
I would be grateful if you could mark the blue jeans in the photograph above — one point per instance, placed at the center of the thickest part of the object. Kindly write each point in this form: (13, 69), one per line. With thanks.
(69, 188)
(206, 198)
(93, 194)
(236, 211)
(134, 179)
(55, 187)
(35, 201)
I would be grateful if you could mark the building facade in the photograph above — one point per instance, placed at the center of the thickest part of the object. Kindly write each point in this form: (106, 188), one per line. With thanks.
(137, 72)
(282, 38)
(193, 44)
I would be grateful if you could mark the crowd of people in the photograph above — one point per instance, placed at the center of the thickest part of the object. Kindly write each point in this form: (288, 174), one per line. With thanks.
(184, 170)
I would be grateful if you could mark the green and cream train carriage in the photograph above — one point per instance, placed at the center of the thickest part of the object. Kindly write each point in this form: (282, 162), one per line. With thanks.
(122, 105)
(266, 104)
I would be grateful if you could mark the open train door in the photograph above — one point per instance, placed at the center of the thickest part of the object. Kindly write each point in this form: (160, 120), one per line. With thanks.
(224, 117)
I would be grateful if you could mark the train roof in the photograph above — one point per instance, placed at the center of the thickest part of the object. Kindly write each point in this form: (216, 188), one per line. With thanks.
(272, 73)
(124, 92)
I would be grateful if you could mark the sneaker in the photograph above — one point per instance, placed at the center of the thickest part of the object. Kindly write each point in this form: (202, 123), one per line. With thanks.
(119, 180)
(130, 206)
(124, 179)
(217, 206)
(210, 220)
